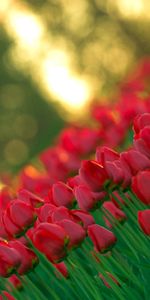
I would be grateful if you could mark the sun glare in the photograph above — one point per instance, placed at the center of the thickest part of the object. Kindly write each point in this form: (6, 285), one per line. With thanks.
(133, 8)
(67, 87)
(26, 27)
(54, 71)
(50, 67)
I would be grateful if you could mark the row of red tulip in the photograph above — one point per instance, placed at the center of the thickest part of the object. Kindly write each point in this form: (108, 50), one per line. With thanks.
(52, 212)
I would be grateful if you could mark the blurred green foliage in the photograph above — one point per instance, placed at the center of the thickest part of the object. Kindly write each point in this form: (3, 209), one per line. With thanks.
(28, 124)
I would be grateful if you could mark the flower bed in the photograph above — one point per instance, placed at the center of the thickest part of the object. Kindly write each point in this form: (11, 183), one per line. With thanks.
(79, 228)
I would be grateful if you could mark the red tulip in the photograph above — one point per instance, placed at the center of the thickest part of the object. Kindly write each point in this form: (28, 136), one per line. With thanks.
(75, 232)
(86, 218)
(93, 174)
(3, 233)
(86, 199)
(18, 217)
(75, 181)
(15, 281)
(61, 267)
(117, 213)
(105, 280)
(51, 239)
(119, 199)
(110, 160)
(104, 154)
(28, 197)
(115, 171)
(135, 160)
(45, 212)
(107, 223)
(102, 238)
(144, 220)
(78, 140)
(10, 259)
(5, 198)
(35, 181)
(142, 141)
(59, 163)
(141, 186)
(61, 213)
(61, 194)
(127, 175)
(141, 121)
(104, 115)
(115, 134)
(29, 260)
(7, 296)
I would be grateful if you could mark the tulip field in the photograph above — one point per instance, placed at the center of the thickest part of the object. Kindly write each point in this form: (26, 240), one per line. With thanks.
(77, 226)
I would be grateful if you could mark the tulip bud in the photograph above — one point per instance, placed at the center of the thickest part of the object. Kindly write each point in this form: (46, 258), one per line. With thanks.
(110, 160)
(140, 186)
(5, 197)
(144, 220)
(75, 181)
(61, 267)
(78, 140)
(61, 195)
(61, 213)
(117, 213)
(135, 160)
(142, 141)
(18, 217)
(75, 232)
(119, 202)
(45, 212)
(15, 281)
(86, 218)
(104, 154)
(86, 198)
(10, 259)
(105, 280)
(102, 238)
(93, 174)
(51, 239)
(3, 233)
(31, 199)
(29, 259)
(141, 121)
(7, 296)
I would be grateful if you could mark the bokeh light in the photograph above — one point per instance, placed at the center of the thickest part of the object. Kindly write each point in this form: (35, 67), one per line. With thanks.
(15, 152)
(25, 126)
(26, 27)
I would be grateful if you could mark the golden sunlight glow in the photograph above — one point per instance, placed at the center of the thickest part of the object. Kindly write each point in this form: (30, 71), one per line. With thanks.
(133, 8)
(26, 27)
(67, 87)
(2, 185)
(35, 51)
(53, 72)
(4, 5)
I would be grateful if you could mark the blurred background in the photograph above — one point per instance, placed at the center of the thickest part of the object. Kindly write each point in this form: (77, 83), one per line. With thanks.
(56, 57)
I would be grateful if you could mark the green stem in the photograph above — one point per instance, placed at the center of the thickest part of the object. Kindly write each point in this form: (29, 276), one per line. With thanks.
(99, 268)
(80, 283)
(89, 279)
(138, 203)
(34, 289)
(46, 286)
